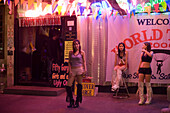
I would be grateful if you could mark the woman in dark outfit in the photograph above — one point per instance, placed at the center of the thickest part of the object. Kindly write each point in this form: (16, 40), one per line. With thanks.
(144, 72)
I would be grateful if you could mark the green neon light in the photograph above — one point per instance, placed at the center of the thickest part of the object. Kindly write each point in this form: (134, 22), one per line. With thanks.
(156, 1)
(161, 9)
(139, 8)
(147, 4)
(151, 2)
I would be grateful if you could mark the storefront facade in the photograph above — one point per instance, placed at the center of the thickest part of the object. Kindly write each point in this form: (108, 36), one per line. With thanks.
(25, 56)
(43, 52)
(6, 47)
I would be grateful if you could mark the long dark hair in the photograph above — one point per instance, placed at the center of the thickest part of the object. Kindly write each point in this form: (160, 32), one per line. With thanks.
(148, 45)
(74, 41)
(119, 49)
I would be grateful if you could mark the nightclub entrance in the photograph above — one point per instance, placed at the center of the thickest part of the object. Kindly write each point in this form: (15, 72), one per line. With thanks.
(38, 47)
(38, 50)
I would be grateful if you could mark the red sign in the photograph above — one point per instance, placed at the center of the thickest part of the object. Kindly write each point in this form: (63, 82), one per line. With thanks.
(39, 21)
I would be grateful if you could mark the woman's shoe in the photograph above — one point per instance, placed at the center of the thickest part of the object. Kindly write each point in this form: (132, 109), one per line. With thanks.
(141, 101)
(79, 96)
(140, 89)
(71, 104)
(148, 102)
(67, 99)
(76, 104)
(114, 88)
(149, 93)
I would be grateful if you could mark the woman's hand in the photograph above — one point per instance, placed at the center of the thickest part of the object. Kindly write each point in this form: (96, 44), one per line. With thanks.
(125, 69)
(84, 74)
(137, 72)
(70, 73)
(116, 67)
(143, 50)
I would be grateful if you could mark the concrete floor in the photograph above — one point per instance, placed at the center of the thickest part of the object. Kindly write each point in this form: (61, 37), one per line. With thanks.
(101, 103)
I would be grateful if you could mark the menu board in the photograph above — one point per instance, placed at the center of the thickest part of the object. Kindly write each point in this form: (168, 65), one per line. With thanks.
(68, 47)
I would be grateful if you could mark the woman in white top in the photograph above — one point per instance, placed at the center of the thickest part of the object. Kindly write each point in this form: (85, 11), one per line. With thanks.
(119, 66)
(77, 67)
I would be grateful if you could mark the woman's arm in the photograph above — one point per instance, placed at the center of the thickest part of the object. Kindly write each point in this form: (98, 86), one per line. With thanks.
(115, 58)
(126, 60)
(84, 60)
(140, 62)
(150, 54)
(69, 60)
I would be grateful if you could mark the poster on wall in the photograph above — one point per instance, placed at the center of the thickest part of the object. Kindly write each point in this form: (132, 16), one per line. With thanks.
(60, 74)
(134, 32)
(68, 47)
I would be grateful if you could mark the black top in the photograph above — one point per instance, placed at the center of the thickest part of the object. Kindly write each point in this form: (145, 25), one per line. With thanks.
(146, 58)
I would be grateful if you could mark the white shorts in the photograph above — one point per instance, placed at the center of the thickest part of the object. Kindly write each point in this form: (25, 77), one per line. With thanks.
(77, 71)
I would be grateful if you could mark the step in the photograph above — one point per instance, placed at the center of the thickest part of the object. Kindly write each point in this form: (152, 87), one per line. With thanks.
(34, 90)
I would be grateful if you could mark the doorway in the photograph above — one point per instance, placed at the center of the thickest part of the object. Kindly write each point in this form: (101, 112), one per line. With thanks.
(38, 48)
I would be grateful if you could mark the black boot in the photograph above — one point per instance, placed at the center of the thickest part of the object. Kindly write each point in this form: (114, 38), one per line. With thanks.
(71, 104)
(70, 96)
(67, 99)
(79, 95)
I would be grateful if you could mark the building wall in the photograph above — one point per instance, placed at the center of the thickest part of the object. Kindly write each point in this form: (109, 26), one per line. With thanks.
(92, 34)
(7, 76)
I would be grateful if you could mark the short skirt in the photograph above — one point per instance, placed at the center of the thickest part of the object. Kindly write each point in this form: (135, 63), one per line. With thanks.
(145, 70)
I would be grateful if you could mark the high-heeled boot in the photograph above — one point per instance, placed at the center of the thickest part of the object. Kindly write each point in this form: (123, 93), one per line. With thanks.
(67, 99)
(149, 93)
(140, 89)
(79, 95)
(70, 96)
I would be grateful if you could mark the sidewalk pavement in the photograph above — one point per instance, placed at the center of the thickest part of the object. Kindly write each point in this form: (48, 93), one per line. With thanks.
(101, 103)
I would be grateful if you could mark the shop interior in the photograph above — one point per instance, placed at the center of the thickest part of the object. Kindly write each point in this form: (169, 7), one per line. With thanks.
(38, 47)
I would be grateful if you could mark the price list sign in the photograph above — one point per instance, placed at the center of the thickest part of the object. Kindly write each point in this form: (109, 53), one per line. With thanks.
(68, 47)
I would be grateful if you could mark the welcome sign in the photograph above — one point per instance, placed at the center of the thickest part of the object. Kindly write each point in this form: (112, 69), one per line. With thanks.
(134, 32)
